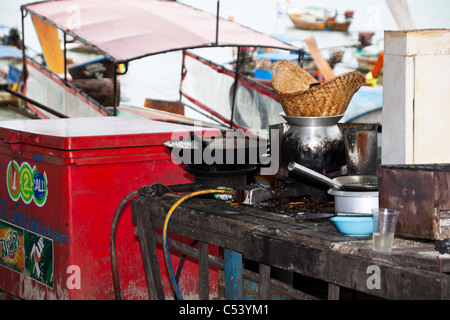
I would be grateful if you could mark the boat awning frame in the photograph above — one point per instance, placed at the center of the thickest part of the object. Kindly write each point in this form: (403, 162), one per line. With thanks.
(128, 30)
(133, 29)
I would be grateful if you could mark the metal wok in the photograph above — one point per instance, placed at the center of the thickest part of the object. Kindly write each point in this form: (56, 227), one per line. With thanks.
(221, 152)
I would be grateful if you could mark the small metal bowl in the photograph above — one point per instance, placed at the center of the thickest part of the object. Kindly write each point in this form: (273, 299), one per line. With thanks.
(354, 226)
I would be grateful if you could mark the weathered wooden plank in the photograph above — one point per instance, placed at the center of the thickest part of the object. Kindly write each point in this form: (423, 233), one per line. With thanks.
(203, 272)
(242, 216)
(148, 249)
(409, 272)
(247, 274)
(405, 253)
(333, 292)
(347, 270)
(322, 232)
(233, 275)
(264, 282)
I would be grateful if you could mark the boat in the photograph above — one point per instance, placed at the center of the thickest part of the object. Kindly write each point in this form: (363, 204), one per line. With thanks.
(366, 60)
(319, 18)
(10, 36)
(224, 97)
(262, 61)
(10, 50)
(145, 32)
(10, 57)
(10, 72)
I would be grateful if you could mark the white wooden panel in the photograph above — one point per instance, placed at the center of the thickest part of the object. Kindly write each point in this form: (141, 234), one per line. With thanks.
(432, 109)
(398, 93)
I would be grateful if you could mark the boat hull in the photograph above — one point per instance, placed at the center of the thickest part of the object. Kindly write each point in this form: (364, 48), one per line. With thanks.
(303, 24)
(366, 61)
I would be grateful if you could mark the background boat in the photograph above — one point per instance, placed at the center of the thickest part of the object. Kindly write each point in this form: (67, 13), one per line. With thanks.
(161, 72)
(366, 60)
(88, 89)
(318, 18)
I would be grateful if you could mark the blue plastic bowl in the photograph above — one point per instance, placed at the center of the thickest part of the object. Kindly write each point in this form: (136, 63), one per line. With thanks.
(354, 226)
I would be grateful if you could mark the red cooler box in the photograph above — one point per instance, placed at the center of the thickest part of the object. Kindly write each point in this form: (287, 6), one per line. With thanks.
(63, 180)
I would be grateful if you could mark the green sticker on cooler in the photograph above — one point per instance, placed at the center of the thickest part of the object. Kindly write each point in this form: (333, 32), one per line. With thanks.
(39, 258)
(13, 180)
(26, 182)
(26, 252)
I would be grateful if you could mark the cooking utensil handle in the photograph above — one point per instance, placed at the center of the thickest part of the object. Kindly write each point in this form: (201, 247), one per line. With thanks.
(313, 216)
(293, 166)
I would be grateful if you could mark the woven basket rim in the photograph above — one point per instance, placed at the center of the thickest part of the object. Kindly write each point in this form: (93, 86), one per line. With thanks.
(328, 98)
(322, 84)
(302, 76)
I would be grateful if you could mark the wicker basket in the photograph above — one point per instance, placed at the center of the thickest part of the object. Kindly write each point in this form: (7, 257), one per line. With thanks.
(329, 98)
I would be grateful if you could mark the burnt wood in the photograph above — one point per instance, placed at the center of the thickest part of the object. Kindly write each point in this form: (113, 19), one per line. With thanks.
(264, 281)
(413, 270)
(203, 274)
(148, 248)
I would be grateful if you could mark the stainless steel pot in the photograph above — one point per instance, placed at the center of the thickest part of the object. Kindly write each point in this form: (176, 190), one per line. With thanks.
(315, 142)
(356, 202)
(352, 194)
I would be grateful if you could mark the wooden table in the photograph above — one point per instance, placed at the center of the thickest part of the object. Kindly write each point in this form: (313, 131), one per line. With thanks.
(314, 249)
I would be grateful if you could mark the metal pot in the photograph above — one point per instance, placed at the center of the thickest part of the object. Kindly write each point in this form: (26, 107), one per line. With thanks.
(315, 142)
(356, 202)
(347, 204)
(352, 194)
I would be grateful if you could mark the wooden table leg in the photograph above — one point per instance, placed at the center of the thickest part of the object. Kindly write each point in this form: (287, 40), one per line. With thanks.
(203, 271)
(264, 282)
(333, 292)
(149, 256)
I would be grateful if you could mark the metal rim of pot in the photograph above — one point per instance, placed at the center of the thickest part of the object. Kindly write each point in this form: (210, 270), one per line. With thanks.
(344, 183)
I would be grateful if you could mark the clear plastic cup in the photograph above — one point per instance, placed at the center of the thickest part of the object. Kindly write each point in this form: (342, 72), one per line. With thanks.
(384, 222)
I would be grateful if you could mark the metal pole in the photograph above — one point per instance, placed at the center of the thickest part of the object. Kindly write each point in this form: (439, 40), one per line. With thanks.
(24, 70)
(65, 57)
(301, 55)
(181, 76)
(37, 104)
(236, 77)
(115, 88)
(217, 22)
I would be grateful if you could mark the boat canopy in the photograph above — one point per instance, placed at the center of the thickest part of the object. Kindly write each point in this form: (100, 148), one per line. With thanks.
(131, 29)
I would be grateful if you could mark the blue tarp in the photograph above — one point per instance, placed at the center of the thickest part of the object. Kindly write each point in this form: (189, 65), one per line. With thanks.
(13, 74)
(275, 56)
(365, 100)
(10, 52)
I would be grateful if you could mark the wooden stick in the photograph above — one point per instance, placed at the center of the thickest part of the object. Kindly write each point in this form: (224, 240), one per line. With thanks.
(322, 64)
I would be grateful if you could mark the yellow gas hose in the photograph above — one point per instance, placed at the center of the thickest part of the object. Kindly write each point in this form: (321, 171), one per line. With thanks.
(166, 224)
